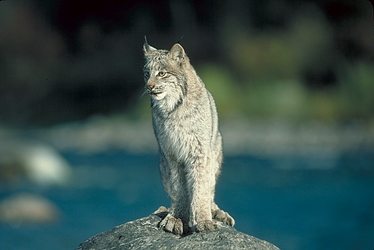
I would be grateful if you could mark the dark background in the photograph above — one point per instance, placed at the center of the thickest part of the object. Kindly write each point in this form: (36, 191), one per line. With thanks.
(67, 60)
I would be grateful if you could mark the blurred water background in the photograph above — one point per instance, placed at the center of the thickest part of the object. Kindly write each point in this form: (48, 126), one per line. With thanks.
(294, 86)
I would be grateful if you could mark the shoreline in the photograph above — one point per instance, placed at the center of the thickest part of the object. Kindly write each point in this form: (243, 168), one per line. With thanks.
(267, 138)
(255, 137)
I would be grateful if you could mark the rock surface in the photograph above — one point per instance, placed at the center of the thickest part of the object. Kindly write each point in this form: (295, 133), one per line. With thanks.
(144, 234)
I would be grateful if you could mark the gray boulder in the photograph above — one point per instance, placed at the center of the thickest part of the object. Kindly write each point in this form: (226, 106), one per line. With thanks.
(145, 234)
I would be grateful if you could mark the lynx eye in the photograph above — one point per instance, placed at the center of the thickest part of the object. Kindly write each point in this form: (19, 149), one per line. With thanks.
(161, 74)
(146, 74)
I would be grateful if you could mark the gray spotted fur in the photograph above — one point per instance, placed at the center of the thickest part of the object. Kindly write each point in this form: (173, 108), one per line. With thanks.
(185, 124)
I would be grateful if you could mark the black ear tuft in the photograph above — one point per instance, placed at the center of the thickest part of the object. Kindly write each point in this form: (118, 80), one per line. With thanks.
(147, 48)
(179, 41)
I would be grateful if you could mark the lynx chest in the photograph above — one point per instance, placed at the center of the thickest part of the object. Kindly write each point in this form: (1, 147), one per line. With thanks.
(178, 137)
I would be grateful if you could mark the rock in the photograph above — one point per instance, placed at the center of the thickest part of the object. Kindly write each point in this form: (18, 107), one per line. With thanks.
(45, 166)
(34, 161)
(27, 208)
(144, 234)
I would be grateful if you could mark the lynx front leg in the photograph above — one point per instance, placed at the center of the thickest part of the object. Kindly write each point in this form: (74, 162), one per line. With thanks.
(177, 219)
(217, 213)
(199, 182)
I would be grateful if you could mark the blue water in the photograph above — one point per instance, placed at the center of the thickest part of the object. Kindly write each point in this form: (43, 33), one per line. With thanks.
(294, 208)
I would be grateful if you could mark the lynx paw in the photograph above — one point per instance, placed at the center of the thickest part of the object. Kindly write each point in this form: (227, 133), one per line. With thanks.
(171, 224)
(206, 225)
(223, 216)
(161, 209)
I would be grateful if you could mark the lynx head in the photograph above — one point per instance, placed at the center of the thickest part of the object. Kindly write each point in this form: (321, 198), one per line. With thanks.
(165, 75)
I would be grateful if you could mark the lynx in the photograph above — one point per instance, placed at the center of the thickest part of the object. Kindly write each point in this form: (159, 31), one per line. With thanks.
(185, 124)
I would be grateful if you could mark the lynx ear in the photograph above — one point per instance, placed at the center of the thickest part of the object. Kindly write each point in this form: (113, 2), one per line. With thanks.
(177, 53)
(147, 48)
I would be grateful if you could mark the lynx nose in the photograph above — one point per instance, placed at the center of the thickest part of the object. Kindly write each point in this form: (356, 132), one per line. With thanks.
(150, 85)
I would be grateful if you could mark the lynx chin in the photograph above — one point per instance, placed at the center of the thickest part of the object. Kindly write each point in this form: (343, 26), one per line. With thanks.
(185, 124)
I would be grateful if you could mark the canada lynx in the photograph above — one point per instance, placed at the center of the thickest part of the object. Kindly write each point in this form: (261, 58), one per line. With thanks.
(185, 123)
